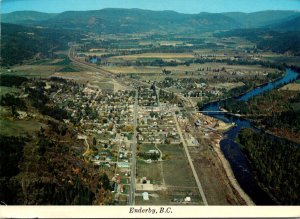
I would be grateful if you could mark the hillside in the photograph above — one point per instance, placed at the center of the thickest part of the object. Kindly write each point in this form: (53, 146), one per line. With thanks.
(137, 20)
(261, 18)
(25, 17)
(292, 24)
(268, 40)
(19, 43)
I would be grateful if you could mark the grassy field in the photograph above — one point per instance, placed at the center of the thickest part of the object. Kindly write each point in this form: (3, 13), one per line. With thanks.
(19, 128)
(156, 198)
(292, 87)
(176, 167)
(5, 90)
(146, 147)
(178, 173)
(181, 69)
(151, 171)
(35, 70)
(290, 60)
(175, 151)
(154, 55)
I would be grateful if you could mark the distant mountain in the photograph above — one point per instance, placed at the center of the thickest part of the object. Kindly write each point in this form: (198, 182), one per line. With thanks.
(137, 20)
(262, 18)
(25, 17)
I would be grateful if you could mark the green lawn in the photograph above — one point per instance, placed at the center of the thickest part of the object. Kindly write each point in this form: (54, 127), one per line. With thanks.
(146, 147)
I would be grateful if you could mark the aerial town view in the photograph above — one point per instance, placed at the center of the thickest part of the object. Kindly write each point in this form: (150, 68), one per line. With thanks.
(149, 104)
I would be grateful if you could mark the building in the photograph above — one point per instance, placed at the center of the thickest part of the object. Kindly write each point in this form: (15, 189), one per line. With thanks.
(145, 196)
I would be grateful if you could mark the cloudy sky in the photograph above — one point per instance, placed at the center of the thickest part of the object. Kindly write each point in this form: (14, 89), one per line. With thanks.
(184, 6)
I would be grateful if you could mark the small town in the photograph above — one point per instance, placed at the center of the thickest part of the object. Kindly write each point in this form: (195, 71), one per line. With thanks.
(164, 103)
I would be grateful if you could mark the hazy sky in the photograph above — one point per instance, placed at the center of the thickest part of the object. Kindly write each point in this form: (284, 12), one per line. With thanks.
(185, 6)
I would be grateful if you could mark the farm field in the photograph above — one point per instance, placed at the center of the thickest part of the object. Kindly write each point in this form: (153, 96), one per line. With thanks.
(182, 69)
(154, 55)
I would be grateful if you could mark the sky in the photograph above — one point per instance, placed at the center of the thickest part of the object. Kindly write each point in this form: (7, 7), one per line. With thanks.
(183, 6)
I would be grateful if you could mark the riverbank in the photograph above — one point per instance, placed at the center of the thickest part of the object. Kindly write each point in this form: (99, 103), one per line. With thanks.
(230, 174)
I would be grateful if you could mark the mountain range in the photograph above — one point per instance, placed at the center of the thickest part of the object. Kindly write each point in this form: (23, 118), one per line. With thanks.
(138, 20)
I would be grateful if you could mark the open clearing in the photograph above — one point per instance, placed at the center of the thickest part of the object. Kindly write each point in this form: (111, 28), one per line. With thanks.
(178, 173)
(35, 70)
(5, 90)
(151, 171)
(19, 128)
(213, 178)
(292, 87)
(176, 170)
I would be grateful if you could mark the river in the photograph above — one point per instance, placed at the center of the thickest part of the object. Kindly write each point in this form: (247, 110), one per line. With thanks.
(232, 151)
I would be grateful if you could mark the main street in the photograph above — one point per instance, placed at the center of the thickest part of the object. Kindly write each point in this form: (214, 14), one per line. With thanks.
(133, 151)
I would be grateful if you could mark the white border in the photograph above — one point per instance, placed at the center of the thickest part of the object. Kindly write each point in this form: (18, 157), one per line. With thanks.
(123, 212)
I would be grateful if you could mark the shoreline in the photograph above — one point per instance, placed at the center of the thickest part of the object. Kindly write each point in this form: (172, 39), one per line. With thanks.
(230, 175)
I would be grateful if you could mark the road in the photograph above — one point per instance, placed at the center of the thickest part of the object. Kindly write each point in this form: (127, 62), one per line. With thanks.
(133, 151)
(190, 161)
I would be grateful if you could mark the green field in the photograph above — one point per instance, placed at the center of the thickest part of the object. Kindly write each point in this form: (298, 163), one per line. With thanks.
(5, 90)
(151, 171)
(146, 147)
(19, 128)
(176, 166)
(174, 151)
(178, 173)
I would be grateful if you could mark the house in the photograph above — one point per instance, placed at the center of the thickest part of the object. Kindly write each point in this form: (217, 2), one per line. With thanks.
(187, 199)
(123, 164)
(145, 196)
(118, 179)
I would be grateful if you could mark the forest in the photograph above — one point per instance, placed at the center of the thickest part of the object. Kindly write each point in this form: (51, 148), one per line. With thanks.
(19, 43)
(275, 110)
(49, 175)
(276, 165)
(266, 39)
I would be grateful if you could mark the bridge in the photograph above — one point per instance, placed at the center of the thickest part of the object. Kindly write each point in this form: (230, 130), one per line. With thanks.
(218, 112)
(212, 111)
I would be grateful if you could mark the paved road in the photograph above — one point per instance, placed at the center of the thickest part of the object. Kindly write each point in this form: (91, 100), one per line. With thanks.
(133, 159)
(190, 161)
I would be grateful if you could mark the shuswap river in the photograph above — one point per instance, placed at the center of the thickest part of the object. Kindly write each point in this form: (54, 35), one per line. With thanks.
(232, 151)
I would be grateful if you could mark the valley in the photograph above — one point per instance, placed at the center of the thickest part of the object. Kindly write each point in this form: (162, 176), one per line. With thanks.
(140, 108)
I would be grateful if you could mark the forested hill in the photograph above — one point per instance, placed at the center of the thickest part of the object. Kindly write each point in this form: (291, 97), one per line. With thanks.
(293, 24)
(19, 43)
(137, 20)
(26, 17)
(269, 40)
(262, 18)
